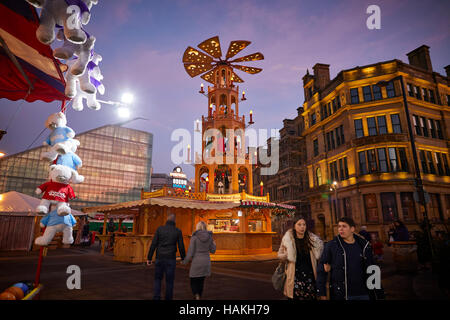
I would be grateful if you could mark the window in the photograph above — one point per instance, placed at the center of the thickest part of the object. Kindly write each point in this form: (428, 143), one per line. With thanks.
(388, 206)
(382, 161)
(370, 204)
(425, 94)
(390, 89)
(431, 94)
(430, 163)
(408, 206)
(329, 109)
(316, 147)
(313, 118)
(338, 102)
(423, 124)
(367, 93)
(359, 128)
(372, 126)
(354, 97)
(362, 163)
(328, 142)
(376, 92)
(338, 137)
(403, 159)
(345, 168)
(436, 208)
(432, 128)
(448, 99)
(446, 167)
(396, 126)
(438, 128)
(310, 93)
(410, 90)
(333, 146)
(347, 207)
(393, 160)
(382, 128)
(372, 160)
(341, 129)
(438, 159)
(423, 161)
(416, 125)
(417, 92)
(334, 105)
(341, 170)
(332, 177)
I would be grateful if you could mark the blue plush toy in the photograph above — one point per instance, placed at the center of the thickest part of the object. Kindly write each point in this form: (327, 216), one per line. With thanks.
(55, 223)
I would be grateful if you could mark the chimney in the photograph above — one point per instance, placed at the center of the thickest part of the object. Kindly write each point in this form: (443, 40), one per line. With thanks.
(420, 57)
(321, 75)
(447, 70)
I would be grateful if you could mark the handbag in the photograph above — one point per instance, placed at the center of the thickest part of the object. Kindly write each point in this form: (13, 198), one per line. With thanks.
(279, 277)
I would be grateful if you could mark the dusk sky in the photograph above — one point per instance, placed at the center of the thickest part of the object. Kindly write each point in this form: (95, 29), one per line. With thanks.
(142, 43)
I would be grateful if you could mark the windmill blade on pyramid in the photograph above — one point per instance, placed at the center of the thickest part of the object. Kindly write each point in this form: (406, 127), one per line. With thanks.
(208, 76)
(236, 47)
(192, 55)
(212, 47)
(236, 78)
(251, 70)
(250, 57)
(194, 69)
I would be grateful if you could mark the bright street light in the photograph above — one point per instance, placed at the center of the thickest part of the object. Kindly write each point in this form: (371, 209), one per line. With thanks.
(2, 154)
(127, 98)
(123, 112)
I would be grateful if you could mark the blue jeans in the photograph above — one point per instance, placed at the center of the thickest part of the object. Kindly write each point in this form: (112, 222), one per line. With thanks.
(164, 266)
(363, 297)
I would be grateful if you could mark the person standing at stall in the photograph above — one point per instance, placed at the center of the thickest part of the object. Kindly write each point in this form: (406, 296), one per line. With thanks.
(301, 250)
(201, 245)
(165, 243)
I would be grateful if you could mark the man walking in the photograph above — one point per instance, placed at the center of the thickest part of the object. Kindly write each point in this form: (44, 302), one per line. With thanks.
(165, 242)
(347, 256)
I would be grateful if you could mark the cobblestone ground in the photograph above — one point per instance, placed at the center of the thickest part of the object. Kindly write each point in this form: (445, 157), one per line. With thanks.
(103, 278)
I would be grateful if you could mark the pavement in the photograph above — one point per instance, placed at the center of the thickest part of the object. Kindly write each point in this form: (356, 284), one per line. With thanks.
(103, 278)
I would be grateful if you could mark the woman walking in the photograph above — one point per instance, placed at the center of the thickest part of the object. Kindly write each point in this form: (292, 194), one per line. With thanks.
(201, 245)
(301, 249)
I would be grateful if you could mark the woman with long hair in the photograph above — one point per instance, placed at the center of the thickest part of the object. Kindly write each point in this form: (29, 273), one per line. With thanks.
(201, 245)
(301, 250)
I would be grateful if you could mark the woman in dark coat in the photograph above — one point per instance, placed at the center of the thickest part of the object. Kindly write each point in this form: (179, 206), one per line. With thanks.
(201, 245)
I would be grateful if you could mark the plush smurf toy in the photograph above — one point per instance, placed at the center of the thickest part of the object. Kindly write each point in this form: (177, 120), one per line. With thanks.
(88, 85)
(72, 161)
(59, 138)
(62, 13)
(55, 223)
(57, 190)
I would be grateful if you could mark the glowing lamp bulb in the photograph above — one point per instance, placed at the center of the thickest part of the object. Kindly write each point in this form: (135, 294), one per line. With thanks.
(127, 98)
(123, 112)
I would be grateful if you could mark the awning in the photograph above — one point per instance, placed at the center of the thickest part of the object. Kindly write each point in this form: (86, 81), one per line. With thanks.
(164, 202)
(18, 25)
(263, 204)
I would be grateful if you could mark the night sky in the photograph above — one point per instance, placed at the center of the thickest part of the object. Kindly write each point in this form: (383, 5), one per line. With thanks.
(142, 43)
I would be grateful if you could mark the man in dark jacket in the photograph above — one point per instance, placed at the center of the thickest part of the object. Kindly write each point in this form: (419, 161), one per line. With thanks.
(347, 256)
(165, 242)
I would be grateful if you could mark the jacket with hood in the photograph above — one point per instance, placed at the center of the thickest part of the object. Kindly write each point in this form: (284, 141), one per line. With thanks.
(201, 245)
(288, 251)
(165, 242)
(335, 255)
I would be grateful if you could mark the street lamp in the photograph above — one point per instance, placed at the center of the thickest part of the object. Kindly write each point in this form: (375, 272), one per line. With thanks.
(2, 154)
(418, 178)
(333, 187)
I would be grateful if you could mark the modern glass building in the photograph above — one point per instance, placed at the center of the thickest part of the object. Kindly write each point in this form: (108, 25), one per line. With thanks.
(116, 166)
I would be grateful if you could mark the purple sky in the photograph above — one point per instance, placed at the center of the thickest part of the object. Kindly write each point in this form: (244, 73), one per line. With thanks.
(142, 43)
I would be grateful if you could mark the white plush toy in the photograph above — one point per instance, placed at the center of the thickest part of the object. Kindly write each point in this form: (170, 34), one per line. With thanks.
(83, 53)
(72, 161)
(88, 85)
(59, 138)
(70, 14)
(55, 223)
(57, 190)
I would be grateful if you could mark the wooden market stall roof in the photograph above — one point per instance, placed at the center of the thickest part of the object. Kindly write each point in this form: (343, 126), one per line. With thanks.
(125, 207)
